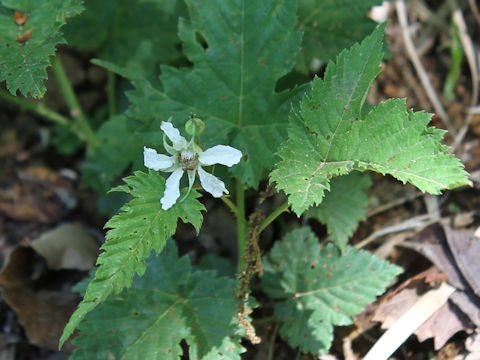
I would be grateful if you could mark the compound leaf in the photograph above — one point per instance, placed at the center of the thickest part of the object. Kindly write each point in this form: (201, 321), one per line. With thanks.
(27, 43)
(239, 49)
(171, 302)
(140, 227)
(343, 207)
(330, 26)
(328, 137)
(318, 287)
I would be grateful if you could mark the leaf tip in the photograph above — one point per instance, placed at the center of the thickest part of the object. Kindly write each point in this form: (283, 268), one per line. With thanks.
(67, 332)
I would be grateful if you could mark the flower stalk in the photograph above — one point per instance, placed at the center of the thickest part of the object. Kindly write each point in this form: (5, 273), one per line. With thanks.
(36, 108)
(80, 121)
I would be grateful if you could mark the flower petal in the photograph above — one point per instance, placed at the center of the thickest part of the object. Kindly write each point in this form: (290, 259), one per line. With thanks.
(220, 154)
(211, 184)
(172, 189)
(155, 161)
(191, 180)
(178, 141)
(168, 147)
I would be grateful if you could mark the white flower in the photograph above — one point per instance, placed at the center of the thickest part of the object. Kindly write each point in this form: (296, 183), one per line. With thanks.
(189, 157)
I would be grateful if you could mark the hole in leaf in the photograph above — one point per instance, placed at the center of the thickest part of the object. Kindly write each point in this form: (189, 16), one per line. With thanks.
(184, 346)
(201, 40)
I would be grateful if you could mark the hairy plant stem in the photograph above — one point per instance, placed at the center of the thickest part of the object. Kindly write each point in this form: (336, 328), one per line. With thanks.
(250, 265)
(111, 84)
(241, 224)
(80, 122)
(250, 261)
(36, 108)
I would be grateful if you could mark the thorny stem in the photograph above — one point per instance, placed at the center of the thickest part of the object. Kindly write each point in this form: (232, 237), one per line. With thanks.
(250, 265)
(80, 121)
(249, 256)
(36, 108)
(270, 218)
(241, 224)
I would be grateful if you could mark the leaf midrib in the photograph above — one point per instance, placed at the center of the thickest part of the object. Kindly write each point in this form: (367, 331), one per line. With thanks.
(242, 59)
(141, 334)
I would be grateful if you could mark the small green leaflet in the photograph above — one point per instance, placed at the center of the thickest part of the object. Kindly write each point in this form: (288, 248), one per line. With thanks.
(25, 49)
(328, 136)
(330, 26)
(169, 303)
(239, 49)
(116, 29)
(140, 227)
(318, 287)
(343, 207)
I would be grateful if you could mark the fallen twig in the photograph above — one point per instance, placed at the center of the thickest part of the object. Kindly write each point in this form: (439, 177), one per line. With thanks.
(415, 222)
(423, 309)
(473, 65)
(432, 95)
(475, 11)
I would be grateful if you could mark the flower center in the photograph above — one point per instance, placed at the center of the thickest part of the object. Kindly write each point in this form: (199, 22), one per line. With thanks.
(188, 159)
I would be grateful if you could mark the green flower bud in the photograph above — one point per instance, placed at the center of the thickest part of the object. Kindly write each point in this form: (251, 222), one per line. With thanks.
(194, 126)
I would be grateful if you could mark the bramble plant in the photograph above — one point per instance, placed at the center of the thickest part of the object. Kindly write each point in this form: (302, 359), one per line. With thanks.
(239, 88)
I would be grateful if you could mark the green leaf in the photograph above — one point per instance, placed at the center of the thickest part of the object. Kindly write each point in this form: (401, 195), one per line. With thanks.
(343, 207)
(239, 49)
(330, 26)
(134, 69)
(170, 303)
(23, 64)
(121, 146)
(223, 266)
(140, 227)
(318, 287)
(115, 29)
(328, 136)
